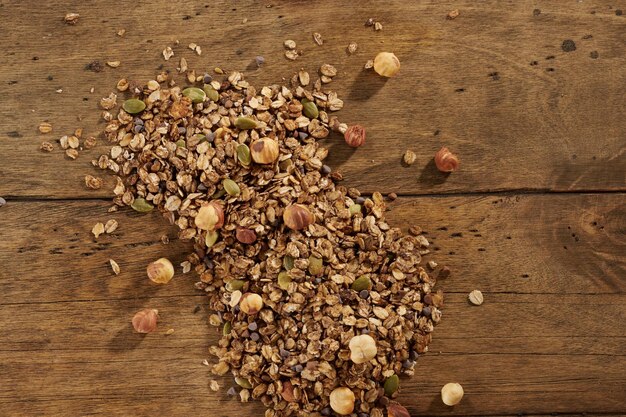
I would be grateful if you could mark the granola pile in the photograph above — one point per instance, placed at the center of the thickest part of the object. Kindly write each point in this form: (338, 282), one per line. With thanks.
(321, 304)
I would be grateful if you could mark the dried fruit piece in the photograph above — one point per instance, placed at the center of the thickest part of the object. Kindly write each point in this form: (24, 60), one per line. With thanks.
(451, 393)
(160, 271)
(297, 217)
(386, 64)
(342, 400)
(446, 161)
(145, 321)
(362, 348)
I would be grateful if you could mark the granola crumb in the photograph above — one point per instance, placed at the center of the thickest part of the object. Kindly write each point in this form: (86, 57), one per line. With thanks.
(46, 146)
(352, 48)
(317, 37)
(214, 385)
(378, 26)
(168, 53)
(369, 64)
(45, 127)
(121, 32)
(114, 266)
(165, 239)
(92, 182)
(453, 14)
(71, 18)
(409, 157)
(169, 332)
(98, 229)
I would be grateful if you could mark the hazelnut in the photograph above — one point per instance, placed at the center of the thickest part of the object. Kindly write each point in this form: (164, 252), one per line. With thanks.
(355, 136)
(451, 393)
(446, 161)
(245, 235)
(362, 348)
(210, 216)
(386, 64)
(264, 151)
(160, 271)
(396, 410)
(251, 303)
(145, 321)
(342, 400)
(297, 217)
(287, 392)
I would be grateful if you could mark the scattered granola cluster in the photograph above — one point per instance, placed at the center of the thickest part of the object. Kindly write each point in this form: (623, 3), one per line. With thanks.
(322, 304)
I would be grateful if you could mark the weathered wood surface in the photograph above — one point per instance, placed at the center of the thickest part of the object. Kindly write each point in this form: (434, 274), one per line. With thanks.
(551, 342)
(514, 125)
(550, 337)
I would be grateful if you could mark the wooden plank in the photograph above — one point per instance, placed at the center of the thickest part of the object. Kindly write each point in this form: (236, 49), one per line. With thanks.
(514, 125)
(545, 244)
(83, 358)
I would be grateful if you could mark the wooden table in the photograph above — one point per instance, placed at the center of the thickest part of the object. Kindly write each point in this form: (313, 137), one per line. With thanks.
(535, 218)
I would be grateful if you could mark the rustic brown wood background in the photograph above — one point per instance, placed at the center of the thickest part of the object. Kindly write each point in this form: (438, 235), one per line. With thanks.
(536, 218)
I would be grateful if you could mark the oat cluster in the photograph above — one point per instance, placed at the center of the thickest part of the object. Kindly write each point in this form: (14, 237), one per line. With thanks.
(321, 303)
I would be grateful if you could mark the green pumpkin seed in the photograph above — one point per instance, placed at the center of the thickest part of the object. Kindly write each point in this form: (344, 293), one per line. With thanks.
(211, 238)
(231, 187)
(309, 109)
(218, 194)
(288, 262)
(133, 106)
(362, 283)
(243, 155)
(245, 123)
(243, 383)
(391, 385)
(234, 285)
(284, 280)
(211, 92)
(181, 143)
(141, 205)
(354, 209)
(316, 266)
(195, 94)
(227, 328)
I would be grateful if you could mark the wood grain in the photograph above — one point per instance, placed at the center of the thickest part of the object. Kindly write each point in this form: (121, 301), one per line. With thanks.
(536, 218)
(71, 348)
(514, 125)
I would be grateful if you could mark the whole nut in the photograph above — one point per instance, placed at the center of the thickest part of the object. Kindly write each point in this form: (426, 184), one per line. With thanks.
(210, 216)
(342, 400)
(264, 151)
(287, 392)
(446, 161)
(355, 136)
(297, 217)
(451, 393)
(145, 321)
(362, 348)
(160, 271)
(251, 303)
(386, 64)
(476, 297)
(245, 235)
(396, 410)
